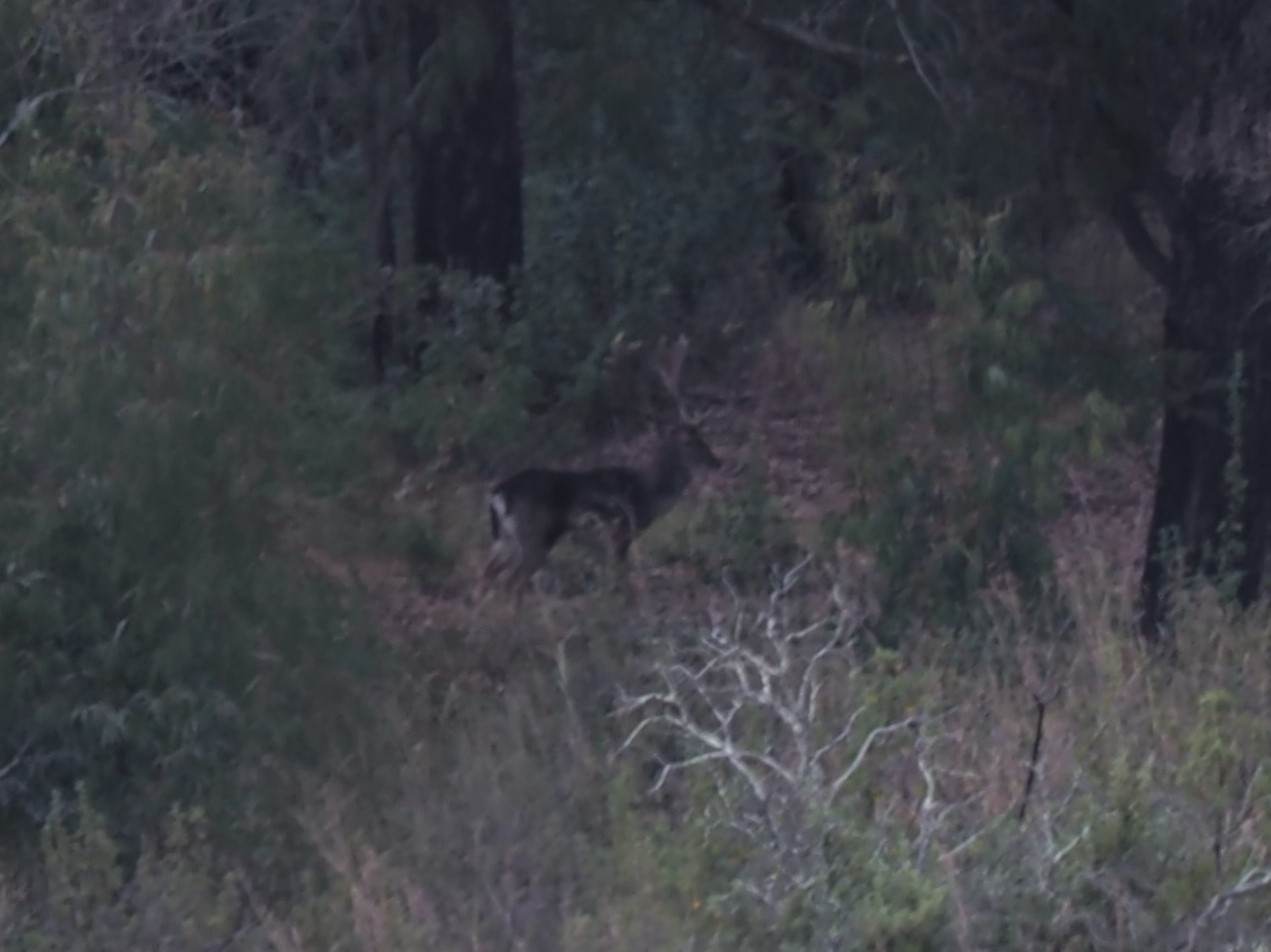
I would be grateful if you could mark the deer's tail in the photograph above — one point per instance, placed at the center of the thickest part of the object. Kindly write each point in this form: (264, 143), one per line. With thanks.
(498, 506)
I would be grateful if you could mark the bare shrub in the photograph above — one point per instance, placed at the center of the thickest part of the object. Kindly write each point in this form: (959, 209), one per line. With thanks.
(792, 730)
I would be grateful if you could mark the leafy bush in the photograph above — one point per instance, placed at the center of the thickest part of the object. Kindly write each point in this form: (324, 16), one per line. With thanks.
(175, 897)
(153, 378)
(742, 538)
(948, 517)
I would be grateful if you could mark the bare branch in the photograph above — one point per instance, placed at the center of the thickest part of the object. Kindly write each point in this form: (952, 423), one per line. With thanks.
(918, 65)
(1125, 215)
(841, 736)
(800, 36)
(1253, 881)
(13, 764)
(25, 110)
(1031, 778)
(928, 820)
(877, 734)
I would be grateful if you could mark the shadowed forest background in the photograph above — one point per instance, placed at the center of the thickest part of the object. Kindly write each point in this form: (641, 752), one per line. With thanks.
(964, 647)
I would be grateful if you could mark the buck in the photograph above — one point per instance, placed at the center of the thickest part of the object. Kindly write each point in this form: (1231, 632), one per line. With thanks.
(534, 509)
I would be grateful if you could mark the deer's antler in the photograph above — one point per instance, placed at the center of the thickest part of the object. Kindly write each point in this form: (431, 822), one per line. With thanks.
(669, 368)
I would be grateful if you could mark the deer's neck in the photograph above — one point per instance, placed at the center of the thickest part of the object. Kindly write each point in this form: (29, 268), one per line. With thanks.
(667, 479)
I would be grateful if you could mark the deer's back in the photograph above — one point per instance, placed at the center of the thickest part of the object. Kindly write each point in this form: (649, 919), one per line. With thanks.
(616, 493)
(558, 497)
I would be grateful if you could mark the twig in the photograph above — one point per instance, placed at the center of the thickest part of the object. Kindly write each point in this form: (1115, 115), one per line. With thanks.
(12, 765)
(282, 937)
(919, 68)
(27, 108)
(873, 736)
(1253, 881)
(801, 36)
(1031, 778)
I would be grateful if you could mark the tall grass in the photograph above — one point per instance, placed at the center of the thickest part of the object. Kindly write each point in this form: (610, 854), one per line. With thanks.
(522, 815)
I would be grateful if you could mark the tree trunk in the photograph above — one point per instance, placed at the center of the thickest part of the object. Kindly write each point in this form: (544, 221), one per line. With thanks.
(1213, 493)
(466, 202)
(801, 166)
(1210, 512)
(463, 171)
(377, 154)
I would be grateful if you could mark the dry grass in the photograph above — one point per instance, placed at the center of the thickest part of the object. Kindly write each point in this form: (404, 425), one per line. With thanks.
(477, 853)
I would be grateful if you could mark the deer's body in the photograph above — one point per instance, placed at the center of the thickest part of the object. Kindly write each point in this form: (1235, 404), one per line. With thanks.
(535, 508)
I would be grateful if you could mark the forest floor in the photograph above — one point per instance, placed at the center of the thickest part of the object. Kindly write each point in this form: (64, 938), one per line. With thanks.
(797, 408)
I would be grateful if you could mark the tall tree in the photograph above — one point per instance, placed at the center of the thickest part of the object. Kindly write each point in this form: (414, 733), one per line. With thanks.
(460, 122)
(466, 158)
(1213, 492)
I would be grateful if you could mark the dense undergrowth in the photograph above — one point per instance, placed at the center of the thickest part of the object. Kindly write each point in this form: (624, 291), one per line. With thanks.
(752, 777)
(159, 640)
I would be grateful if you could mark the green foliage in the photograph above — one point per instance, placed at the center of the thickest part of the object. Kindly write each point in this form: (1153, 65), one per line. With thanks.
(470, 397)
(511, 822)
(175, 897)
(888, 242)
(891, 905)
(951, 222)
(154, 379)
(1230, 538)
(944, 525)
(939, 543)
(649, 884)
(644, 182)
(743, 537)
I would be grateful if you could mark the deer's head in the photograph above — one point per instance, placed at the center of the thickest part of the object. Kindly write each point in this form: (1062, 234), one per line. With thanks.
(683, 433)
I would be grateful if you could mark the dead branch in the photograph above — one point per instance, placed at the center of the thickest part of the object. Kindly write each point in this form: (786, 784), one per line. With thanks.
(748, 698)
(1253, 881)
(1031, 777)
(787, 32)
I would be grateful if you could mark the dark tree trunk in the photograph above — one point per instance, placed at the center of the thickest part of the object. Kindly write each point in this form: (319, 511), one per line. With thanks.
(424, 30)
(466, 201)
(382, 336)
(801, 166)
(1210, 512)
(377, 145)
(384, 240)
(1213, 495)
(801, 260)
(463, 174)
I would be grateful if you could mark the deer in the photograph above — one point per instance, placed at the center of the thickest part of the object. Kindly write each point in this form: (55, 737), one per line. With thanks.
(533, 509)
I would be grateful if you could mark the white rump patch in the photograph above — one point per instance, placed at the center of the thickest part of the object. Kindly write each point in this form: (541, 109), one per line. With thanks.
(503, 515)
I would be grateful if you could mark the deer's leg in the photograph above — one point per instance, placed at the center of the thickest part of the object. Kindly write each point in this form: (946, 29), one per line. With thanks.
(506, 552)
(496, 563)
(530, 559)
(622, 534)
